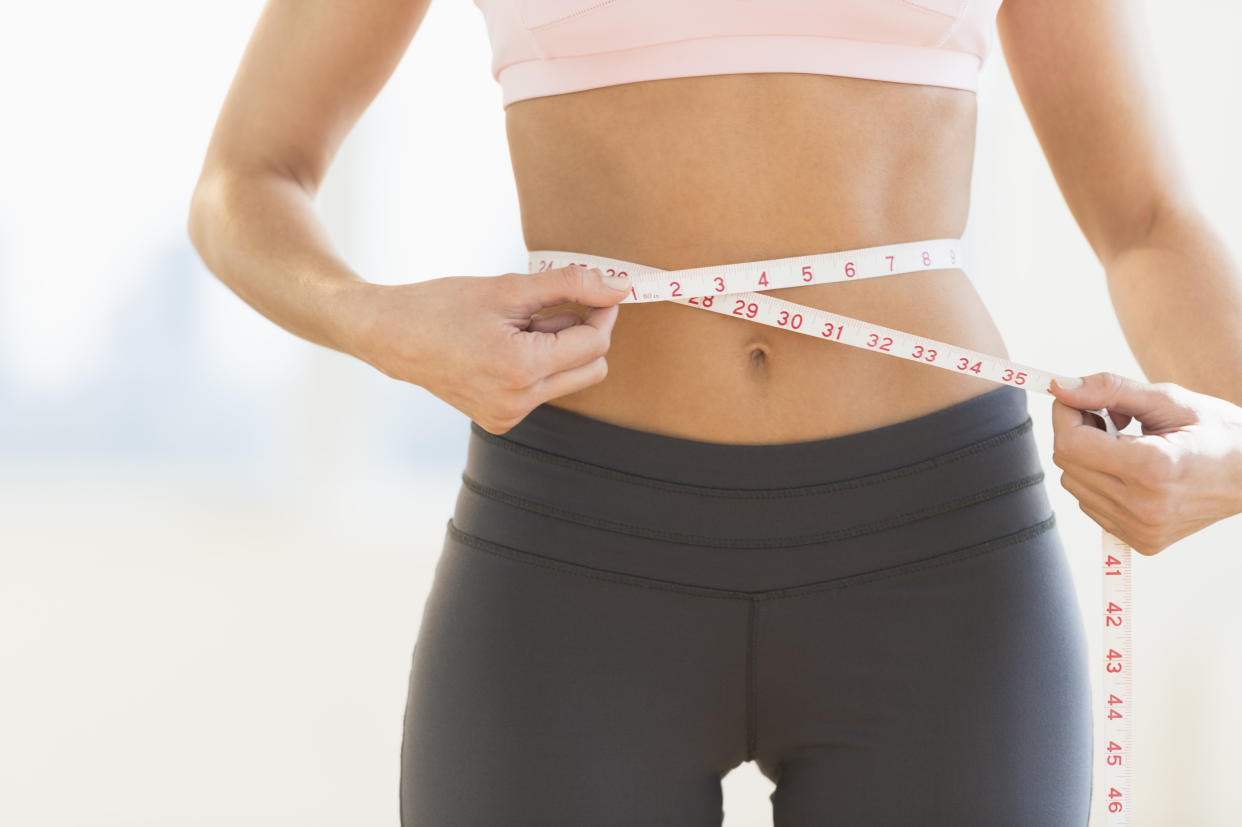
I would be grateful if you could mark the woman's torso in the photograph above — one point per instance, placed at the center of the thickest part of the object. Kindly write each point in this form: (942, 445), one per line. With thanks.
(696, 171)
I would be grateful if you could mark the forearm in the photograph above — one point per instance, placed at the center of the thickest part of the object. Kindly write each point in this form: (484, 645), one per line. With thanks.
(1178, 298)
(260, 235)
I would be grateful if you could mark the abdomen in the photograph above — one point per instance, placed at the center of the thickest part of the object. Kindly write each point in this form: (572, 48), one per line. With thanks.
(689, 172)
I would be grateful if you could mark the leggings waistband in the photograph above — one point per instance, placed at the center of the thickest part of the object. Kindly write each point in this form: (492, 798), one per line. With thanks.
(651, 458)
(589, 492)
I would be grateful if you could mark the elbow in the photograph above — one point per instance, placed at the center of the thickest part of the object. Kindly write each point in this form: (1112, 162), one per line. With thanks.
(208, 204)
(197, 217)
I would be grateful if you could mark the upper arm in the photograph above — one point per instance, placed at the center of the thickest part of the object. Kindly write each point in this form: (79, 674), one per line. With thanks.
(309, 71)
(1082, 69)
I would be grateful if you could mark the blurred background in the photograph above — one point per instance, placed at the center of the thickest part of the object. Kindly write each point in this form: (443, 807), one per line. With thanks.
(216, 538)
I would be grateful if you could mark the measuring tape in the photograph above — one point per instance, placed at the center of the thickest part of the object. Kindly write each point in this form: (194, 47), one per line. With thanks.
(727, 289)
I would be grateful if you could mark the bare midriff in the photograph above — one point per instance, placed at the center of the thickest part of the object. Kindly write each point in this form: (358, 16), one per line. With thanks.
(698, 171)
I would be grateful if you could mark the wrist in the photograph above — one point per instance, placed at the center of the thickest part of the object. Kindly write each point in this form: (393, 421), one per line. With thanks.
(355, 305)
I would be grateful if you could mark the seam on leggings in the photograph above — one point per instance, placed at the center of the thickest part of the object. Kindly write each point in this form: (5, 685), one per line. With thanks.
(837, 583)
(687, 538)
(752, 681)
(920, 466)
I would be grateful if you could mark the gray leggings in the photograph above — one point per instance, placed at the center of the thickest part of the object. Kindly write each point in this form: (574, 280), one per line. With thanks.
(885, 622)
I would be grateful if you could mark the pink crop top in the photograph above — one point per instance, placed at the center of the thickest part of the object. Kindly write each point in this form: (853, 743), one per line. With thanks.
(548, 47)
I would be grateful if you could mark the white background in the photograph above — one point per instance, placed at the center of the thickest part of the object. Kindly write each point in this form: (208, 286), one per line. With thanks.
(216, 538)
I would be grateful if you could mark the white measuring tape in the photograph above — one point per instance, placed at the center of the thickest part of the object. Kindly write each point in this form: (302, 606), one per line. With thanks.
(726, 289)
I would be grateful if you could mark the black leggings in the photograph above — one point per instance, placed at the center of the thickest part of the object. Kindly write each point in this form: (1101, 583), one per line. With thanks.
(885, 622)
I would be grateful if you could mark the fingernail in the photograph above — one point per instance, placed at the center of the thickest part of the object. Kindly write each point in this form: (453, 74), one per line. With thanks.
(617, 282)
(1068, 383)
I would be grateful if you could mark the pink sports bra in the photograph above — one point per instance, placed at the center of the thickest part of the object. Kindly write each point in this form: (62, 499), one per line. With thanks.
(548, 47)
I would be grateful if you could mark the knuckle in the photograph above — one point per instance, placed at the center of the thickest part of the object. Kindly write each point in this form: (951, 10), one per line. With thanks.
(493, 426)
(572, 277)
(1156, 547)
(600, 347)
(502, 418)
(1180, 396)
(1114, 381)
(1151, 512)
(1060, 444)
(1145, 542)
(510, 410)
(507, 288)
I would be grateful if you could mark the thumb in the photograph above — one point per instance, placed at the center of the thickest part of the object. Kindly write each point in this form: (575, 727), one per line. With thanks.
(1157, 406)
(575, 283)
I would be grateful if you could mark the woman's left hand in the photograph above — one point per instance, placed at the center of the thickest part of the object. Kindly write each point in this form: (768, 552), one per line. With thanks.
(1183, 473)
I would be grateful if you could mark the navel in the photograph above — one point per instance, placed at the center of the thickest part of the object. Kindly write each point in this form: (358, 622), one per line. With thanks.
(758, 356)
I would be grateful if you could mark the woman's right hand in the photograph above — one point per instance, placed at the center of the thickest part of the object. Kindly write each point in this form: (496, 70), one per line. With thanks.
(471, 341)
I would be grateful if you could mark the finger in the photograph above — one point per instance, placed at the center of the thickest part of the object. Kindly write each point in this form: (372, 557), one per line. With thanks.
(1102, 519)
(568, 381)
(572, 346)
(1116, 508)
(1093, 504)
(531, 292)
(1109, 523)
(1120, 420)
(1065, 416)
(603, 318)
(554, 323)
(1108, 484)
(1077, 438)
(1157, 406)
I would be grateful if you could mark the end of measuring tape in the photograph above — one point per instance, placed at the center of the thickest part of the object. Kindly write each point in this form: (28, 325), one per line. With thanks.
(1109, 425)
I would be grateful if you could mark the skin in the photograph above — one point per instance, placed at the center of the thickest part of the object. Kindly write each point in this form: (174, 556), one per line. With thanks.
(1180, 474)
(687, 172)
